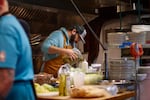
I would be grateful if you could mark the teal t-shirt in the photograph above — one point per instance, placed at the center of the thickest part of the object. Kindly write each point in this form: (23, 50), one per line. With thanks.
(15, 53)
(56, 38)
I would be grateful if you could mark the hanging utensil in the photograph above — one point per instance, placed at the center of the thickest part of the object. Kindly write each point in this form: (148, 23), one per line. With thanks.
(35, 36)
(36, 43)
(35, 40)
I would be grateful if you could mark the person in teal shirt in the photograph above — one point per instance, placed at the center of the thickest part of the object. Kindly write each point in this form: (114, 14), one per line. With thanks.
(16, 68)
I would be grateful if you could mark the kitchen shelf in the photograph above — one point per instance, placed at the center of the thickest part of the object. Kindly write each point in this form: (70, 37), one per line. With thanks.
(143, 11)
(117, 46)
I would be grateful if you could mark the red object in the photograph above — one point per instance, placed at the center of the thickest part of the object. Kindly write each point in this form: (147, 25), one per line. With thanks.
(136, 53)
(1, 2)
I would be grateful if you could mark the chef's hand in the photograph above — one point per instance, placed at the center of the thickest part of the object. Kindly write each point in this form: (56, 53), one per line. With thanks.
(71, 54)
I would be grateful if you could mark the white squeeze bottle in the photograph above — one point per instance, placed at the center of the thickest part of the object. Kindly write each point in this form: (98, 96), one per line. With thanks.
(84, 66)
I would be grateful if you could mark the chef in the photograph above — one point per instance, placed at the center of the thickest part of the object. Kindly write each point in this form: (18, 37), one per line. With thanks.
(59, 43)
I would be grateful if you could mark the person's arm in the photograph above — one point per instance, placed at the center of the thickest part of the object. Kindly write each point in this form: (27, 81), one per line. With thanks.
(68, 52)
(6, 81)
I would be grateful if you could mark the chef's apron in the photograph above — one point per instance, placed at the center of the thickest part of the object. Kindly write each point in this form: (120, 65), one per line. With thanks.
(52, 66)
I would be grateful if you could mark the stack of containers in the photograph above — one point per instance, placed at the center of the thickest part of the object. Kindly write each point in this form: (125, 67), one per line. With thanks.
(121, 69)
(142, 29)
(116, 38)
(137, 37)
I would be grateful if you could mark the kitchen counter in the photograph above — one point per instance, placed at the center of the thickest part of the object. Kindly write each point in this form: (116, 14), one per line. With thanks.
(120, 96)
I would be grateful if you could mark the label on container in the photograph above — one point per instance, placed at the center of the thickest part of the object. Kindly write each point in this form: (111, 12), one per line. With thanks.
(64, 86)
(68, 84)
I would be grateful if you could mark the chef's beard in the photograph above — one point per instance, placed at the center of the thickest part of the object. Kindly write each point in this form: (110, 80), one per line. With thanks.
(72, 38)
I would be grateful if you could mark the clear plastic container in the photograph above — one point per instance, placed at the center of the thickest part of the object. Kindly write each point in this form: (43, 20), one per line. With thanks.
(113, 89)
(78, 78)
(64, 79)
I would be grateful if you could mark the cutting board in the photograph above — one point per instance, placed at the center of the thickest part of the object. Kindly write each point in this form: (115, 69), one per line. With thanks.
(54, 98)
(120, 96)
(67, 98)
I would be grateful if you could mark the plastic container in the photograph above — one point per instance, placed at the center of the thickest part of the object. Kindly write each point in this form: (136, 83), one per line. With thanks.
(64, 78)
(116, 38)
(137, 37)
(97, 67)
(92, 78)
(78, 78)
(113, 89)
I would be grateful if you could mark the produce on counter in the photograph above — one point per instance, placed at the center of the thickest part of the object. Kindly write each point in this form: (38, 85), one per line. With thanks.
(44, 88)
(66, 59)
(89, 78)
(92, 78)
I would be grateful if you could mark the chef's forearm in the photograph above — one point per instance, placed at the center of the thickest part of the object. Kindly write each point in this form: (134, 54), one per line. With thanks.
(56, 50)
(6, 81)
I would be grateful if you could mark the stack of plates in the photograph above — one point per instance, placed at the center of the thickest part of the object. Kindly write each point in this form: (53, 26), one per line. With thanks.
(121, 70)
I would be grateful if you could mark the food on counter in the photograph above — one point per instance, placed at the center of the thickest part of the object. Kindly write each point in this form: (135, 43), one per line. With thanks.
(45, 88)
(40, 89)
(92, 78)
(66, 59)
(42, 78)
(36, 85)
(49, 87)
(88, 92)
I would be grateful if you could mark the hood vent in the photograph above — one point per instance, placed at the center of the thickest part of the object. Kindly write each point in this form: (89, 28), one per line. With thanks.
(46, 14)
(31, 12)
(86, 6)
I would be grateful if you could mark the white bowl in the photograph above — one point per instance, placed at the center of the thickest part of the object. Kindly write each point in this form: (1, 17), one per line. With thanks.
(96, 65)
(141, 77)
(144, 70)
